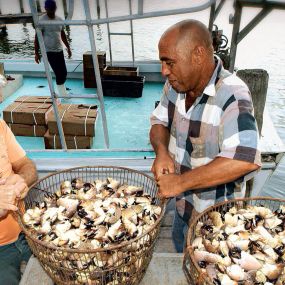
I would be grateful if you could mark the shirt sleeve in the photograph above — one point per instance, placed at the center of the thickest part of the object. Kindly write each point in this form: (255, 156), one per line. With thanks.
(239, 138)
(15, 151)
(160, 114)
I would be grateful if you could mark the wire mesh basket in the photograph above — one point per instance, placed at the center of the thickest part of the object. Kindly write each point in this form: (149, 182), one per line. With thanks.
(192, 270)
(123, 263)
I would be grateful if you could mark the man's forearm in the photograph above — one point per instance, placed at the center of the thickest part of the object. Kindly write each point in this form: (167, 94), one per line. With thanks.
(159, 138)
(36, 45)
(219, 171)
(64, 39)
(26, 168)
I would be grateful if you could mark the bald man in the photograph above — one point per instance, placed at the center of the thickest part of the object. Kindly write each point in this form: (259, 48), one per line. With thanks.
(203, 131)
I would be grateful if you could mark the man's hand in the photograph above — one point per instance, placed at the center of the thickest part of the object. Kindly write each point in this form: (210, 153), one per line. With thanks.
(169, 185)
(163, 164)
(14, 180)
(69, 52)
(10, 194)
(37, 58)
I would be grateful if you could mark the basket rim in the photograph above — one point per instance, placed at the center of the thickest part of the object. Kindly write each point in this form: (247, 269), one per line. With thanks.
(189, 247)
(112, 247)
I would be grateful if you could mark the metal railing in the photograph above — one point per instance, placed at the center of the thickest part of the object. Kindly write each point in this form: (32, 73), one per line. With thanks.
(99, 96)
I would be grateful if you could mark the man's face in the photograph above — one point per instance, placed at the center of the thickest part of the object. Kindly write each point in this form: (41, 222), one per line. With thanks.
(177, 64)
(51, 13)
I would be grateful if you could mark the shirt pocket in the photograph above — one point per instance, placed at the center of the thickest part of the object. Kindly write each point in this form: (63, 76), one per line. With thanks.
(198, 148)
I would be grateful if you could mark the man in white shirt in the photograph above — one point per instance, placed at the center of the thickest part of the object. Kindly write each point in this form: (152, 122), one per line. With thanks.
(53, 36)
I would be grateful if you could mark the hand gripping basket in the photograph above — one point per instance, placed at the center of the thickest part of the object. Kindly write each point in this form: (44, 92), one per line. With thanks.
(193, 272)
(56, 260)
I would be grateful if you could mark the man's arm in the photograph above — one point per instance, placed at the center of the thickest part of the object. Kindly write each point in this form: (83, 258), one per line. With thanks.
(159, 138)
(219, 171)
(37, 49)
(64, 40)
(26, 169)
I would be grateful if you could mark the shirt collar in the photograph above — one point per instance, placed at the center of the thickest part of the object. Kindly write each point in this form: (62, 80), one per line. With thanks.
(210, 89)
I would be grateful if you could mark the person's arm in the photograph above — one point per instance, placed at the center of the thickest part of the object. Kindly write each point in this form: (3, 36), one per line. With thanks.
(159, 136)
(163, 163)
(219, 171)
(64, 40)
(37, 49)
(24, 172)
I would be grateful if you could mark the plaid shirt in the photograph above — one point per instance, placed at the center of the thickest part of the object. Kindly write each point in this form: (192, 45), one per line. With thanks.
(220, 123)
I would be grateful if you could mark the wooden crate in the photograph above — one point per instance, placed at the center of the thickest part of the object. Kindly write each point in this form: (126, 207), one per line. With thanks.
(88, 62)
(121, 70)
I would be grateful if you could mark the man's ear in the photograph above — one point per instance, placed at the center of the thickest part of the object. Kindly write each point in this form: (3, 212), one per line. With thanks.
(199, 54)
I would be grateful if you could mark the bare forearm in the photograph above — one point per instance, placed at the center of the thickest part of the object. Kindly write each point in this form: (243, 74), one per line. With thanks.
(159, 138)
(64, 39)
(27, 169)
(36, 44)
(219, 171)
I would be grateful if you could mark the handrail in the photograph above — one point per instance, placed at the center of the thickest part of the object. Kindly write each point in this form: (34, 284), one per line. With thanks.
(132, 17)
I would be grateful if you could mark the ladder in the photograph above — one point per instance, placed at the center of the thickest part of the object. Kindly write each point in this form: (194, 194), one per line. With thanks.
(54, 96)
(131, 34)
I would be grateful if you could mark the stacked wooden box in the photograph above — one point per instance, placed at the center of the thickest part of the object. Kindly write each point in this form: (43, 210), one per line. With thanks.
(27, 116)
(78, 122)
(122, 81)
(88, 68)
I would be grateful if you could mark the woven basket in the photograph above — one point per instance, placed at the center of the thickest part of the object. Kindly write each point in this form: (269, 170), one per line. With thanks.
(127, 270)
(192, 271)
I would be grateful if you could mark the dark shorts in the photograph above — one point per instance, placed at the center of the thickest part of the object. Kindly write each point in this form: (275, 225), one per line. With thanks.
(11, 257)
(57, 63)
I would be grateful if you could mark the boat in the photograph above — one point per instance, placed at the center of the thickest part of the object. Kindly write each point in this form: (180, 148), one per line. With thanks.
(121, 137)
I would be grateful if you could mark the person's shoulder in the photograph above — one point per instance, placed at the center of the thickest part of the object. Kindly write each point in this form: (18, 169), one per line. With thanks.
(43, 17)
(57, 18)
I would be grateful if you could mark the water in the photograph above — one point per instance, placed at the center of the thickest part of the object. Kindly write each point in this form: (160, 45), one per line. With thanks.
(263, 48)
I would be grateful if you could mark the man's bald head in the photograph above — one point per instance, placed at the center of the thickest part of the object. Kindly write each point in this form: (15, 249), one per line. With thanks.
(187, 56)
(189, 33)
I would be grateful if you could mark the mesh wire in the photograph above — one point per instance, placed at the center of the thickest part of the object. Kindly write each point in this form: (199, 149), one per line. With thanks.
(124, 263)
(192, 271)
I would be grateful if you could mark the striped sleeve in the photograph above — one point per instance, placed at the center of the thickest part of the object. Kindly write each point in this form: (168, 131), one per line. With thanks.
(238, 130)
(160, 114)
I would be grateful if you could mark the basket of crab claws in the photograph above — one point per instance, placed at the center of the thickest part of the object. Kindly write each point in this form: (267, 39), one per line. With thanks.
(93, 225)
(237, 242)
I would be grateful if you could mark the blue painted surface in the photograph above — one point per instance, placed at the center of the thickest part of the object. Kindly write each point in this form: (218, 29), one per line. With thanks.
(127, 118)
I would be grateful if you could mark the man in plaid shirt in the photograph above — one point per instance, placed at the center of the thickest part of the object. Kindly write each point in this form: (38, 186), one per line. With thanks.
(203, 131)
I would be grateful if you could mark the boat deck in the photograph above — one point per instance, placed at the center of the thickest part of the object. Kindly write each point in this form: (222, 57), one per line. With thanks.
(127, 118)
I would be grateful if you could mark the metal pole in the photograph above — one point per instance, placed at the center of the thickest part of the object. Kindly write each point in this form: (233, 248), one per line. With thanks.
(21, 6)
(233, 49)
(64, 8)
(96, 70)
(109, 35)
(48, 74)
(132, 33)
(212, 16)
(132, 17)
(70, 9)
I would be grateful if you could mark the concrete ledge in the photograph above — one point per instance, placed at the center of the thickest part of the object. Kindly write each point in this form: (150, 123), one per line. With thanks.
(11, 87)
(33, 273)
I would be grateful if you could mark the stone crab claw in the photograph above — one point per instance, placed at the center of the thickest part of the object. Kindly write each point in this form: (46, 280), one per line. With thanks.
(65, 187)
(77, 183)
(69, 204)
(112, 183)
(131, 190)
(113, 214)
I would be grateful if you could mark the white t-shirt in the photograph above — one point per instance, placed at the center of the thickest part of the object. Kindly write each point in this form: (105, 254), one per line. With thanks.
(52, 34)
